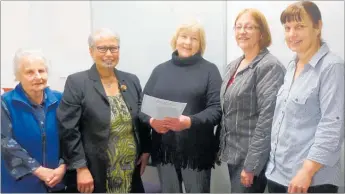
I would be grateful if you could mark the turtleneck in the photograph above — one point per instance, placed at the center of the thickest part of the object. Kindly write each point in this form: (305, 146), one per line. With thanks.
(195, 81)
(185, 61)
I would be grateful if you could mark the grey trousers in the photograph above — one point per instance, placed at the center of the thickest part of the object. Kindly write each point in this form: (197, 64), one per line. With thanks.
(259, 182)
(194, 181)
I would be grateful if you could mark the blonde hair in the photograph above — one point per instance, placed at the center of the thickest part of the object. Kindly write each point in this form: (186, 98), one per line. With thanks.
(260, 19)
(190, 26)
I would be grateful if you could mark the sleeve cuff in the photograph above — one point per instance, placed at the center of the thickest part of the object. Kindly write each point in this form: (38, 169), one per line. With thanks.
(77, 164)
(193, 121)
(324, 157)
(248, 168)
(61, 161)
(145, 118)
(23, 170)
(146, 149)
(20, 172)
(253, 167)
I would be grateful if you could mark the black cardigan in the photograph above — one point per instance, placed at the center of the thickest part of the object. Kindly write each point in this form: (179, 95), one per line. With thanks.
(196, 82)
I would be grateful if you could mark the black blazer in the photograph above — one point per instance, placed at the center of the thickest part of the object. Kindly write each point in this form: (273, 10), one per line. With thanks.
(84, 121)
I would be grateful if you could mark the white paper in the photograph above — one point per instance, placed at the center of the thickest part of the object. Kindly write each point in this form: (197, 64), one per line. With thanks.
(159, 108)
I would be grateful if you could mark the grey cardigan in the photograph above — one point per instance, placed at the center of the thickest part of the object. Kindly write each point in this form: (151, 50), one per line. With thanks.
(248, 107)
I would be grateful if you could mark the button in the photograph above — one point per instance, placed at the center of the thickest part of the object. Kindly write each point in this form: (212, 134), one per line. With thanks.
(14, 171)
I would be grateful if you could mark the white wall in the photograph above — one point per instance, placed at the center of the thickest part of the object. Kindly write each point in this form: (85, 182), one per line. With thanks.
(146, 29)
(61, 29)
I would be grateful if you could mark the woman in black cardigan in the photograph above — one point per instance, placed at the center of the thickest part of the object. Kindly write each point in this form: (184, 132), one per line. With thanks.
(184, 148)
(102, 137)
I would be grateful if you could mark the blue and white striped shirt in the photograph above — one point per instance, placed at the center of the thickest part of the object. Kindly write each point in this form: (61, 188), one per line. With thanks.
(308, 121)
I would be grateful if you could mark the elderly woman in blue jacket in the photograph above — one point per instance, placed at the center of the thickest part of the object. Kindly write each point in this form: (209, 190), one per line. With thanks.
(30, 156)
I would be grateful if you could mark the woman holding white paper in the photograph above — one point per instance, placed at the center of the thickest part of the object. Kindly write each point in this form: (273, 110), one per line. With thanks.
(184, 148)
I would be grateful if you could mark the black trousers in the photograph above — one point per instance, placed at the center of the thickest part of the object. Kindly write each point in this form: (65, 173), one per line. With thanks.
(137, 184)
(274, 187)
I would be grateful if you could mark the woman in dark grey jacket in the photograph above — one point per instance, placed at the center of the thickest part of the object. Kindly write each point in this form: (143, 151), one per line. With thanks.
(248, 95)
(101, 134)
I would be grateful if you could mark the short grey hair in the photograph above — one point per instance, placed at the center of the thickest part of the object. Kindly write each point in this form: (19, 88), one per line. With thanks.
(33, 54)
(102, 33)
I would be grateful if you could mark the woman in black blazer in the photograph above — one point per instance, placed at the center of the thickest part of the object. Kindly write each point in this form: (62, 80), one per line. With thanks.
(101, 135)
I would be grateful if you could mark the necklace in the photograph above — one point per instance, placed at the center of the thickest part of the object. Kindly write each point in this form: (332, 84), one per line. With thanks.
(108, 85)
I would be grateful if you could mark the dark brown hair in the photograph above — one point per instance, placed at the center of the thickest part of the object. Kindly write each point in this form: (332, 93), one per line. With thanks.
(297, 11)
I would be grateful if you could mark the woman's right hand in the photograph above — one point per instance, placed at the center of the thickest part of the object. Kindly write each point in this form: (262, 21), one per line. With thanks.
(84, 180)
(59, 173)
(157, 125)
(44, 174)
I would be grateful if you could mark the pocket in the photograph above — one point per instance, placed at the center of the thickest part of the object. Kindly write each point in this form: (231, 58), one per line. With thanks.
(303, 97)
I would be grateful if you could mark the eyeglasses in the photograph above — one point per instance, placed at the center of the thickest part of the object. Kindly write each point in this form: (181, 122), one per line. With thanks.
(246, 28)
(104, 49)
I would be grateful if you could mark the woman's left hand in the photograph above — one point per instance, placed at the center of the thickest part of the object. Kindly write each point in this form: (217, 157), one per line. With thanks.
(59, 173)
(143, 160)
(247, 178)
(301, 182)
(177, 124)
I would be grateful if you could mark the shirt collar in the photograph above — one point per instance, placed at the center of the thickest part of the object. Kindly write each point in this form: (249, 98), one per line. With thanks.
(323, 50)
(319, 54)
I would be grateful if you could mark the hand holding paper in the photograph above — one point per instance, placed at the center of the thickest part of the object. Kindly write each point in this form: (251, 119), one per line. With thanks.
(158, 125)
(177, 124)
(165, 114)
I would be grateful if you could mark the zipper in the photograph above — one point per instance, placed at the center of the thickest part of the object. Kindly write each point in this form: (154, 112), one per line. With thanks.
(42, 128)
(43, 138)
(43, 135)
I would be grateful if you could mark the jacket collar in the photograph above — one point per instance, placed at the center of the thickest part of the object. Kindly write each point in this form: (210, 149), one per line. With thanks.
(94, 75)
(19, 95)
(258, 57)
